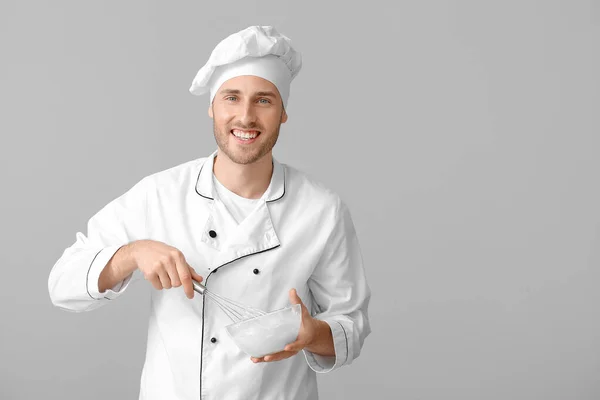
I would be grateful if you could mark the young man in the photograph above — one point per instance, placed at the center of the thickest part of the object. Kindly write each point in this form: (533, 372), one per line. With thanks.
(252, 229)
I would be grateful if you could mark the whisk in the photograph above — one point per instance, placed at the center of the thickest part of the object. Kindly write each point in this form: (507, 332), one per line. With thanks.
(235, 311)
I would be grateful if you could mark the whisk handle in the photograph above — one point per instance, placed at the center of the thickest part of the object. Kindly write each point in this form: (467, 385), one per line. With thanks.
(198, 287)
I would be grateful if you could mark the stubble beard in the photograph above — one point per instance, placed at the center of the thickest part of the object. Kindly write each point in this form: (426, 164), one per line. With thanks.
(245, 154)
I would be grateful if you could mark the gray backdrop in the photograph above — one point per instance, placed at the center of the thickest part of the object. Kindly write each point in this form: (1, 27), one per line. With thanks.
(462, 134)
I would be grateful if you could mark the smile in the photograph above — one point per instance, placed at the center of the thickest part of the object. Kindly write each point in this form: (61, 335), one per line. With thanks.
(245, 136)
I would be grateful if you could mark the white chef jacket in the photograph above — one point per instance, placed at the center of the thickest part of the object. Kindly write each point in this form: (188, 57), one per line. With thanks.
(300, 236)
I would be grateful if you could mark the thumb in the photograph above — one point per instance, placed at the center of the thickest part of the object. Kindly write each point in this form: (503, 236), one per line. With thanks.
(294, 298)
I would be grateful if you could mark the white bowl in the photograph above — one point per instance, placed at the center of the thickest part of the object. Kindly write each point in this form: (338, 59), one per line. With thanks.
(269, 333)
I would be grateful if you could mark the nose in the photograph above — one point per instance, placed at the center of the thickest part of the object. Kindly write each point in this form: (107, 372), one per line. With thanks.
(248, 115)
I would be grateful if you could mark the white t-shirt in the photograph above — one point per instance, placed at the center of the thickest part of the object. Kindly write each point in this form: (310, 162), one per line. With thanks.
(239, 207)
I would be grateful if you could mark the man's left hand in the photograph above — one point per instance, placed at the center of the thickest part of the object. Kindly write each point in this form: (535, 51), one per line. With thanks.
(308, 331)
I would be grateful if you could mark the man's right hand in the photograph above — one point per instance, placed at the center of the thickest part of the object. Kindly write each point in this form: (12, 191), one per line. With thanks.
(163, 265)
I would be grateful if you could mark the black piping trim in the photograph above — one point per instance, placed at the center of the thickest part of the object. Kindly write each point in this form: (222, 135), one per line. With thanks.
(283, 194)
(210, 198)
(251, 254)
(204, 302)
(87, 277)
(198, 180)
(346, 336)
(202, 339)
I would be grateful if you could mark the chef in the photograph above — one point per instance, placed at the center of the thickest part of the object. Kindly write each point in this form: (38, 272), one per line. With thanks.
(252, 229)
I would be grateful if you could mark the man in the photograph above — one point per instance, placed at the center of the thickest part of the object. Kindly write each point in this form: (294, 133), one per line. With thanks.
(252, 229)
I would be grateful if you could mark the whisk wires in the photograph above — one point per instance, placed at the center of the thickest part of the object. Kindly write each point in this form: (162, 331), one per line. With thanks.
(234, 310)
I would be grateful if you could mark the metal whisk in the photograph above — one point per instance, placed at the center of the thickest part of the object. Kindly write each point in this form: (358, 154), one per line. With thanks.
(235, 311)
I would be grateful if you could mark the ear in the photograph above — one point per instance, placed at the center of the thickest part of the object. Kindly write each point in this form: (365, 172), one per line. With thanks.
(284, 116)
(210, 111)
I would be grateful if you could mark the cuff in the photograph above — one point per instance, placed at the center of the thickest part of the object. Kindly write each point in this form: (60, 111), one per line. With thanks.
(96, 267)
(323, 364)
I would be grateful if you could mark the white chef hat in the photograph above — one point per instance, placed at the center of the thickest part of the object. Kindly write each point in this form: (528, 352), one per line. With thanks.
(257, 50)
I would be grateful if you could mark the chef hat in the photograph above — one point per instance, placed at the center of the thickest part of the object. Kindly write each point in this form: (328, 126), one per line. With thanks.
(257, 50)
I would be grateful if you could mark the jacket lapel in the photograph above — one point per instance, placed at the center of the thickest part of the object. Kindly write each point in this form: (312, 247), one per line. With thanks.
(255, 234)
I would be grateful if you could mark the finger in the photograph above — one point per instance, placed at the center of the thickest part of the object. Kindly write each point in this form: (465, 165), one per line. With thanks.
(173, 273)
(195, 275)
(257, 360)
(282, 355)
(165, 281)
(155, 281)
(295, 346)
(186, 278)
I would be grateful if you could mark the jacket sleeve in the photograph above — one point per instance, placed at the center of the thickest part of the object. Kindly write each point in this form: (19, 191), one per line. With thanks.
(340, 290)
(73, 280)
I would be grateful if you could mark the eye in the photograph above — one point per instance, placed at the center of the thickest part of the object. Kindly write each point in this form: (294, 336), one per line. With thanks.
(232, 98)
(264, 101)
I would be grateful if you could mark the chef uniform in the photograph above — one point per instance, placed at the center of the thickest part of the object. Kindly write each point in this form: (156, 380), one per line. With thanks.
(299, 234)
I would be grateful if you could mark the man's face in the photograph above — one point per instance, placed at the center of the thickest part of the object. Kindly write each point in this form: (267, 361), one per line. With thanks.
(247, 112)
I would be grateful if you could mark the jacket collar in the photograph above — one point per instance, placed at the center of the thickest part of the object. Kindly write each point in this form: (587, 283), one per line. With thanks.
(204, 183)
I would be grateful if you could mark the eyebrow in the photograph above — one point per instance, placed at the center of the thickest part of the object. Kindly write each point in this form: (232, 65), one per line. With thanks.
(266, 94)
(261, 93)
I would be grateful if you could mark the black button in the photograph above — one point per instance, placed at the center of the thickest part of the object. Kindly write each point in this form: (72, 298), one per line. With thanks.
(214, 340)
(256, 271)
(212, 234)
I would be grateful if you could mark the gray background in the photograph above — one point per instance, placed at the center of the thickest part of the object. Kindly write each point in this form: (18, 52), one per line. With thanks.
(463, 135)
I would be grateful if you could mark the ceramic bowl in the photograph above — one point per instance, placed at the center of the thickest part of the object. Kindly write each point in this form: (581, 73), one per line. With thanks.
(269, 333)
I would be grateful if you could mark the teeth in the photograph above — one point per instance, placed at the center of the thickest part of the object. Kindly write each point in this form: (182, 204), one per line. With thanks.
(244, 135)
